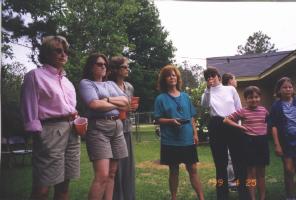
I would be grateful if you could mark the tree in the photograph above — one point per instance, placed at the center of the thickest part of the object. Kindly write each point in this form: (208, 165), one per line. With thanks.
(114, 27)
(11, 79)
(257, 43)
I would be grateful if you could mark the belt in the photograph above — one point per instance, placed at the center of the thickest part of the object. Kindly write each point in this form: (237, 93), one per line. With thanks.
(59, 119)
(111, 117)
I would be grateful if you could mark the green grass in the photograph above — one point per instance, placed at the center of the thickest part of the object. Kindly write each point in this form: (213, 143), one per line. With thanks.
(151, 178)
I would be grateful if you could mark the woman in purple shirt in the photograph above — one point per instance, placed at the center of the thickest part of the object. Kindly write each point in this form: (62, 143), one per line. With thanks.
(104, 138)
(48, 101)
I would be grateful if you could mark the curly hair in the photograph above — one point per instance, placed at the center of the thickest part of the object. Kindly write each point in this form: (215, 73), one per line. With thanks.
(164, 73)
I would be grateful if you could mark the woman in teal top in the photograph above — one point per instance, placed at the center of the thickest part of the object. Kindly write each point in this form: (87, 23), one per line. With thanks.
(175, 113)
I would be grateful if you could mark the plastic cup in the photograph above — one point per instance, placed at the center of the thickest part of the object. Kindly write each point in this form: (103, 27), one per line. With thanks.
(122, 114)
(135, 101)
(81, 125)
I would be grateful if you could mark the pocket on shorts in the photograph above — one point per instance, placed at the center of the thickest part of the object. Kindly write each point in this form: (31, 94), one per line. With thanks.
(52, 136)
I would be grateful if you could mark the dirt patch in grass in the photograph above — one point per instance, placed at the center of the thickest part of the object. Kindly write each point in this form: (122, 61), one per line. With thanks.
(155, 164)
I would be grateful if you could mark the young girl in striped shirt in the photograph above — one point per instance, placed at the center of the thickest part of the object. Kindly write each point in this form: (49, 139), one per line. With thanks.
(254, 125)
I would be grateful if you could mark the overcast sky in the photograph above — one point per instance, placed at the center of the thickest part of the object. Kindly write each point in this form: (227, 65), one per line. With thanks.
(209, 29)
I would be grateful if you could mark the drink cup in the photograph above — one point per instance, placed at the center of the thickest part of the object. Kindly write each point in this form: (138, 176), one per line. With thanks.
(122, 114)
(81, 125)
(135, 101)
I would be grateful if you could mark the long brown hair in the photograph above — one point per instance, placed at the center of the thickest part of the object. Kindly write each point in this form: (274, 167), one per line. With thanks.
(90, 61)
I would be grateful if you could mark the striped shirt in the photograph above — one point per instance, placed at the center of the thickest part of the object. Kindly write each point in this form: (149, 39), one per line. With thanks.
(255, 120)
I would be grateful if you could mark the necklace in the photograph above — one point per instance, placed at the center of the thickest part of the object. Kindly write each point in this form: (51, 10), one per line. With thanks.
(179, 107)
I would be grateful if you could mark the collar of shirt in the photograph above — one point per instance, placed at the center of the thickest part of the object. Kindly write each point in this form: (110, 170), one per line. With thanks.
(54, 70)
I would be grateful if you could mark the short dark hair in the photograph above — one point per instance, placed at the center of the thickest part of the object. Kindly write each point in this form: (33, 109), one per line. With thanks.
(226, 77)
(165, 72)
(47, 46)
(211, 71)
(279, 84)
(115, 63)
(90, 61)
(250, 90)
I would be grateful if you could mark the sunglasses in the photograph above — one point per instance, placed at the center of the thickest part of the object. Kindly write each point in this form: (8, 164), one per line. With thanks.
(124, 66)
(99, 64)
(61, 51)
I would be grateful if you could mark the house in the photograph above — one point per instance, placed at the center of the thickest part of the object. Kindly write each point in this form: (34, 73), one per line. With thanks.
(262, 70)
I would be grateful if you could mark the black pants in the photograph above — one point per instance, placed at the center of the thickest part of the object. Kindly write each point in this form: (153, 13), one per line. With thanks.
(222, 138)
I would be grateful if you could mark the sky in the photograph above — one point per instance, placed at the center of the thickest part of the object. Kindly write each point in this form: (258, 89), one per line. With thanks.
(211, 29)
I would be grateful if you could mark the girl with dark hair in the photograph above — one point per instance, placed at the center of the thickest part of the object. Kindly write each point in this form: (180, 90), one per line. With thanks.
(255, 140)
(229, 79)
(104, 138)
(175, 113)
(283, 124)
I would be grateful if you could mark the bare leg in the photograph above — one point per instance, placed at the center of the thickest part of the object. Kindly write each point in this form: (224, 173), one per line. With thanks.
(251, 182)
(289, 173)
(61, 191)
(194, 180)
(110, 185)
(99, 183)
(39, 193)
(174, 180)
(260, 174)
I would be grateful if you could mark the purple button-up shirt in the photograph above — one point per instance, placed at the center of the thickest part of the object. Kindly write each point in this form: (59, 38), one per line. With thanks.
(46, 94)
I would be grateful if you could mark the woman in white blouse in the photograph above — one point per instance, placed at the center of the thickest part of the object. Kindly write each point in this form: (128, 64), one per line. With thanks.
(222, 101)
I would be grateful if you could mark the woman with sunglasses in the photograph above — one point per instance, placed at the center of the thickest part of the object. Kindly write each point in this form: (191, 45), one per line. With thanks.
(104, 138)
(48, 101)
(124, 188)
(222, 101)
(175, 113)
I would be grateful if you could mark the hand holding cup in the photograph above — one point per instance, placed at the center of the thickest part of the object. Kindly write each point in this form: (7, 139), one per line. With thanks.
(134, 103)
(81, 125)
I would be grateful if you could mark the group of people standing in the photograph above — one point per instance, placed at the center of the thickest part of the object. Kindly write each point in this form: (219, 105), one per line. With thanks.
(240, 132)
(49, 108)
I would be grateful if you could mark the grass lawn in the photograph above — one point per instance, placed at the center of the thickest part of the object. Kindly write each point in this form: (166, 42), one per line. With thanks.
(151, 178)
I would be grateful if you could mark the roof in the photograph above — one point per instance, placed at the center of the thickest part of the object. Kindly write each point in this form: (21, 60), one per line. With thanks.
(247, 65)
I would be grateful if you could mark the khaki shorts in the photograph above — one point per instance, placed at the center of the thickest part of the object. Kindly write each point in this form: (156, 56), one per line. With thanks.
(105, 140)
(56, 154)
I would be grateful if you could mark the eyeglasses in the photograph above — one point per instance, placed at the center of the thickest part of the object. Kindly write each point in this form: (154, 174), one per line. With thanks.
(61, 51)
(99, 64)
(124, 66)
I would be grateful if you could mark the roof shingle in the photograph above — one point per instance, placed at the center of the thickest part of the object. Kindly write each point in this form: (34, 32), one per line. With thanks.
(246, 65)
